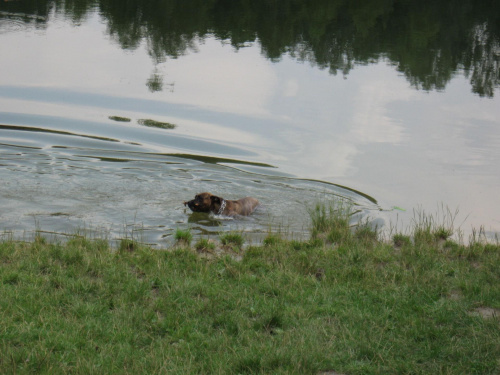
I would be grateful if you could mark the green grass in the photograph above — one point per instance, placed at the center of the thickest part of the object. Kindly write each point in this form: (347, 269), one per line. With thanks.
(400, 240)
(127, 245)
(183, 237)
(232, 239)
(332, 222)
(356, 305)
(205, 245)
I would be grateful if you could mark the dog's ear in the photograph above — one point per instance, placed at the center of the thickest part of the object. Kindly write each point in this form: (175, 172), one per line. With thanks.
(215, 199)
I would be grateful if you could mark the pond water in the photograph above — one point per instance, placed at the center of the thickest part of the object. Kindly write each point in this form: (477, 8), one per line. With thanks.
(389, 104)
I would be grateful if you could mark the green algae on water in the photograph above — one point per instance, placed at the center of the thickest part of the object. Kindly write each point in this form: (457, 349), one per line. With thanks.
(155, 124)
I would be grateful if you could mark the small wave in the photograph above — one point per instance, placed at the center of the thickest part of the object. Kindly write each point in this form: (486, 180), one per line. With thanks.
(22, 16)
(11, 25)
(15, 22)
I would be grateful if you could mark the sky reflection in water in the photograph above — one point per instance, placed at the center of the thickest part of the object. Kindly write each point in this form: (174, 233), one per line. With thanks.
(369, 130)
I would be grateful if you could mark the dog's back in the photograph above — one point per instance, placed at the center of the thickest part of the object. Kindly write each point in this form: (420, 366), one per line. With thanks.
(246, 205)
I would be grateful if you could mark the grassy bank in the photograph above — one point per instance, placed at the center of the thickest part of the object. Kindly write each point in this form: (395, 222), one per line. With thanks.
(344, 302)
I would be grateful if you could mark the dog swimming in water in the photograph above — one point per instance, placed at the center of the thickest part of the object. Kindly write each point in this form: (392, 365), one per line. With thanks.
(206, 202)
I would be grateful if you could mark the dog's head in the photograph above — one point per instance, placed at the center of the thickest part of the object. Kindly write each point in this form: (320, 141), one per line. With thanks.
(204, 202)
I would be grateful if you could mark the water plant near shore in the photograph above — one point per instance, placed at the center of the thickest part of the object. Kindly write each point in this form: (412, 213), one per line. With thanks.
(232, 239)
(183, 237)
(205, 245)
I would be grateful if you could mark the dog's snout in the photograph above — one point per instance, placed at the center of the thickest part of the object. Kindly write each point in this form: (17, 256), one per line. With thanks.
(193, 205)
(200, 203)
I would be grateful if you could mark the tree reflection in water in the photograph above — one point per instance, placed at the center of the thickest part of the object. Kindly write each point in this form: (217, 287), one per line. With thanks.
(428, 43)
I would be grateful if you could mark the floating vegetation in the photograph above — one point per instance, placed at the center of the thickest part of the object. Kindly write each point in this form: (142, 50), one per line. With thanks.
(146, 122)
(119, 119)
(156, 124)
(59, 214)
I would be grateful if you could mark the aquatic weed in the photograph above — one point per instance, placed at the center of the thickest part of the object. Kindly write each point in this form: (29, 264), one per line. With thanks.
(156, 124)
(183, 236)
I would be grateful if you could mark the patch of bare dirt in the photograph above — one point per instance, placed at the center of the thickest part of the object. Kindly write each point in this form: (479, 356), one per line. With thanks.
(487, 312)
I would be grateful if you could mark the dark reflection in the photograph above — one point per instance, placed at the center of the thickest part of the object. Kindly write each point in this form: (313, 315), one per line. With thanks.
(203, 220)
(155, 83)
(427, 41)
(42, 130)
(156, 124)
(217, 160)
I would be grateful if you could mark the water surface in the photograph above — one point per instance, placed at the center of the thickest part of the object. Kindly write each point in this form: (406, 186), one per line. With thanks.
(387, 104)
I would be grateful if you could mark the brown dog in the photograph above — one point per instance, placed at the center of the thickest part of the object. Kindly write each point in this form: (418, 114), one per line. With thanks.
(206, 202)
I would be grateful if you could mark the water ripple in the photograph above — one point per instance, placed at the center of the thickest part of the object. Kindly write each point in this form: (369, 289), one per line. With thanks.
(61, 175)
(63, 190)
(11, 25)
